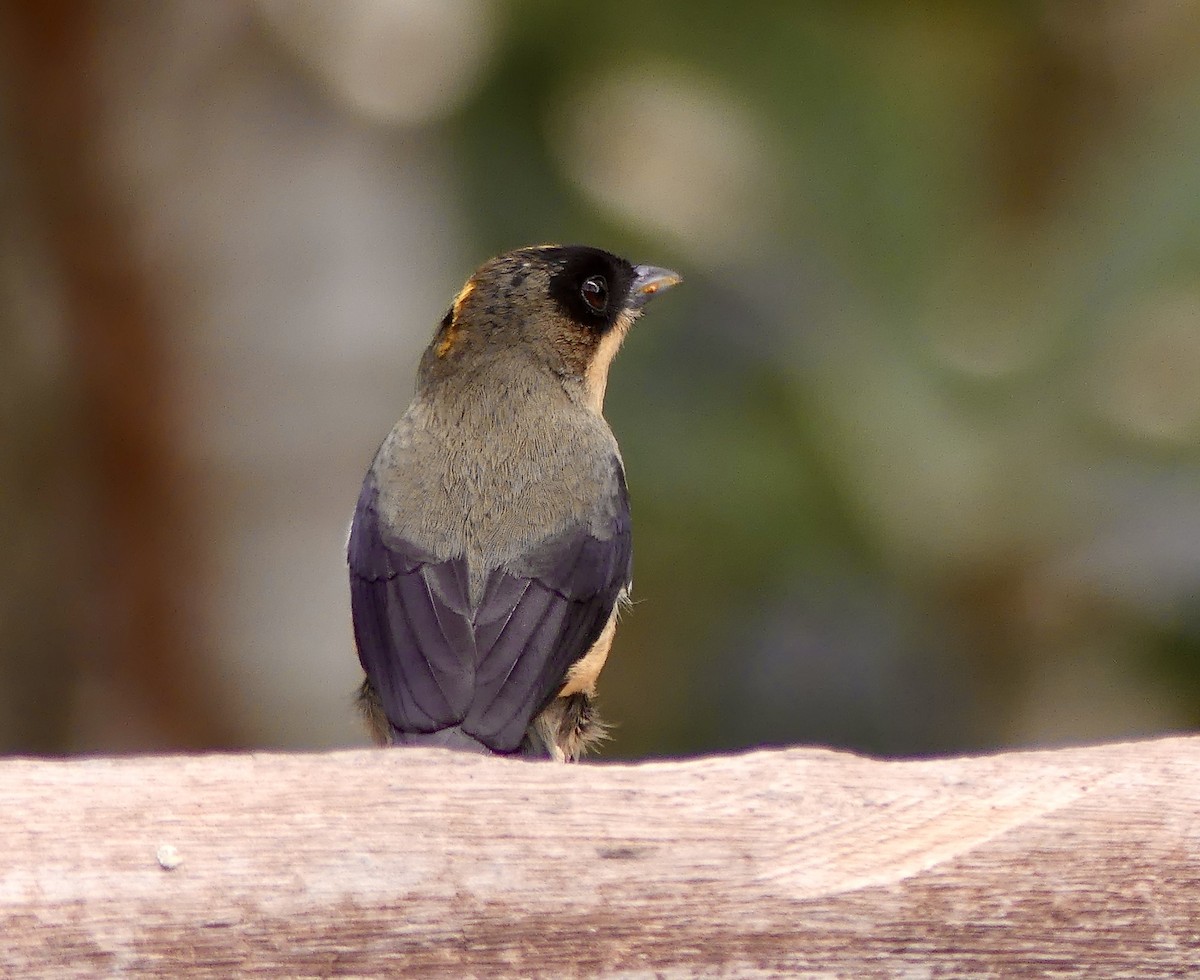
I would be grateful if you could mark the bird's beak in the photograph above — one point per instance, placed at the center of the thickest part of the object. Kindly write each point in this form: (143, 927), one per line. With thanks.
(649, 280)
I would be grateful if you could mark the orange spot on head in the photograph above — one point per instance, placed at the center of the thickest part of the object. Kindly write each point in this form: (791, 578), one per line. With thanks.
(464, 294)
(449, 339)
(451, 332)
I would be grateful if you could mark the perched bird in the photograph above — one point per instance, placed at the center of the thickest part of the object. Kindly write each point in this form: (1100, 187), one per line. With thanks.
(491, 547)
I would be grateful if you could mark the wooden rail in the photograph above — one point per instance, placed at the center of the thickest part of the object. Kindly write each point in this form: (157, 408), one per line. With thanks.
(800, 862)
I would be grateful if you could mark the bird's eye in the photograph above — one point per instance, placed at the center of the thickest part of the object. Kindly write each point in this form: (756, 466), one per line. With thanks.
(595, 293)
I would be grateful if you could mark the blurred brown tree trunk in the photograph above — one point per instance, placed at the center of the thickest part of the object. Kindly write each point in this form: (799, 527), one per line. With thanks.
(143, 562)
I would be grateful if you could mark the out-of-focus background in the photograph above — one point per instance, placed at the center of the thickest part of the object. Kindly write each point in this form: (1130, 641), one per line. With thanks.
(914, 454)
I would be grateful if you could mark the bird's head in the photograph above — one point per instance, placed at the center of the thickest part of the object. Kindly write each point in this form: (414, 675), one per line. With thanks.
(563, 308)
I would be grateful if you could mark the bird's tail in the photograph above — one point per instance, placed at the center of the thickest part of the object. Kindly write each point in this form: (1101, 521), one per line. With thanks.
(385, 733)
(447, 738)
(456, 738)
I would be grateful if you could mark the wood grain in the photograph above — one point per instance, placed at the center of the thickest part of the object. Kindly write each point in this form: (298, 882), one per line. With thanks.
(801, 862)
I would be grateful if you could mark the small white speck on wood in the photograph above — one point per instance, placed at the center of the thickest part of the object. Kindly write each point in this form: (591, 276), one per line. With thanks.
(800, 862)
(168, 857)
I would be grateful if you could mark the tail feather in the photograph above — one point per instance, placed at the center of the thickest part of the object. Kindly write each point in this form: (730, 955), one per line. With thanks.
(447, 738)
(385, 733)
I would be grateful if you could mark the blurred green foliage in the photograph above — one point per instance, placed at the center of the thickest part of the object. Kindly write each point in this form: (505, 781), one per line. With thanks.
(914, 452)
(876, 447)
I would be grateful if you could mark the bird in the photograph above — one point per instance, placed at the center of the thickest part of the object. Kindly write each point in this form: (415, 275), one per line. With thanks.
(491, 546)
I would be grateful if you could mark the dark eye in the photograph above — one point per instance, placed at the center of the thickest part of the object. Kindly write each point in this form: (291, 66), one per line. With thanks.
(595, 293)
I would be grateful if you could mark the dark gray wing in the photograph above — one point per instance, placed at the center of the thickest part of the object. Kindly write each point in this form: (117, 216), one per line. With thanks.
(436, 661)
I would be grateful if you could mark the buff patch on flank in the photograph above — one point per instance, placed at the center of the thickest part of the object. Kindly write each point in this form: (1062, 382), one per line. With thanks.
(583, 673)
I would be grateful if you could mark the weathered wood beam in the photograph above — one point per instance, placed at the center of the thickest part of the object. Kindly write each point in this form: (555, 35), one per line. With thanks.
(1071, 863)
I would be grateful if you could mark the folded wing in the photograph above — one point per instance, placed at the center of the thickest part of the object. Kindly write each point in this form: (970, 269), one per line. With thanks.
(437, 661)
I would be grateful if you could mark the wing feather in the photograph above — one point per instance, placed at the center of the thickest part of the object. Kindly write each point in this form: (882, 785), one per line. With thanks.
(438, 661)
